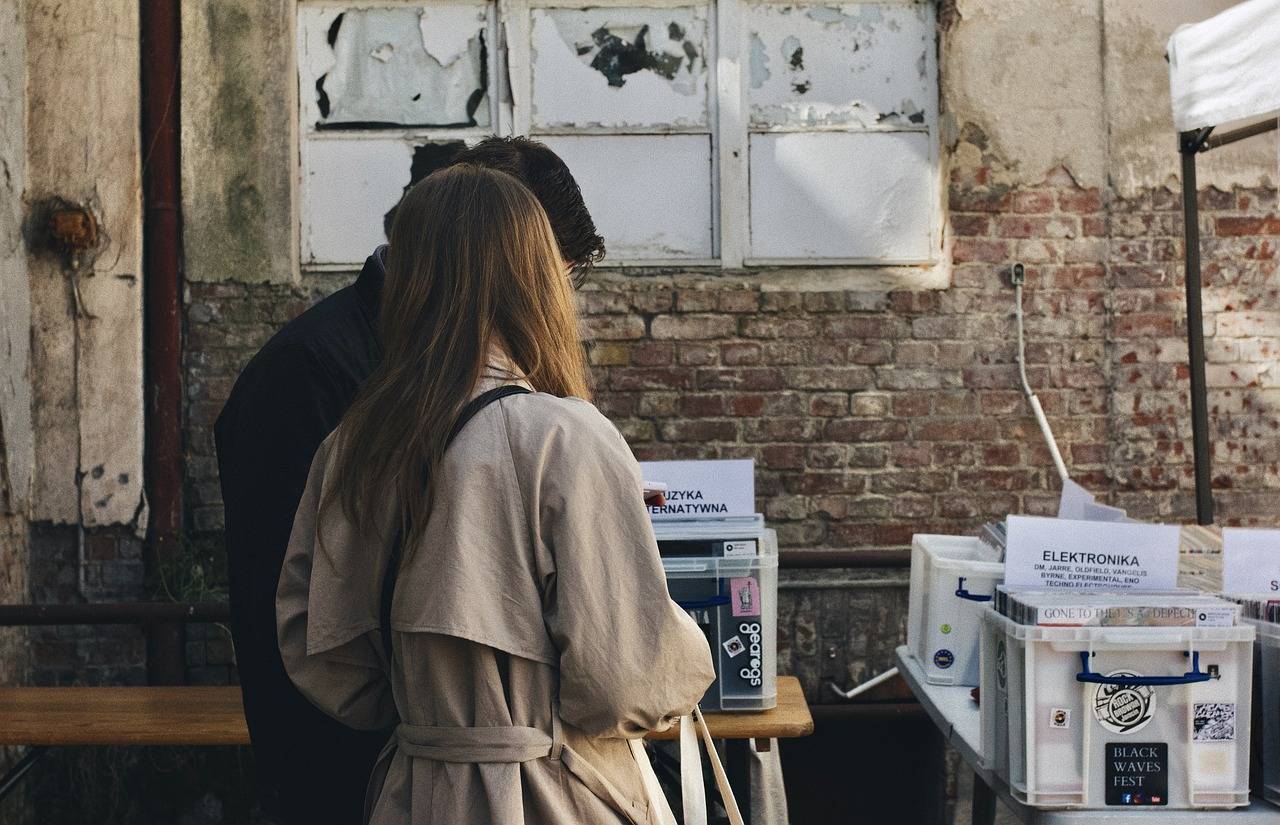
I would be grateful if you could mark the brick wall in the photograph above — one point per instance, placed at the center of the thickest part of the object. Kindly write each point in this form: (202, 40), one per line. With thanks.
(873, 415)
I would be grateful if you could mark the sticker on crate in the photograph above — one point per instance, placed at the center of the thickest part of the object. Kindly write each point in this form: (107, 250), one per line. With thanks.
(1060, 718)
(1213, 722)
(944, 658)
(1137, 773)
(750, 673)
(1124, 709)
(746, 596)
(734, 646)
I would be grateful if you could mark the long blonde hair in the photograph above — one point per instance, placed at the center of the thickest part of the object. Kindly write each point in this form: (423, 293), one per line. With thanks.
(472, 265)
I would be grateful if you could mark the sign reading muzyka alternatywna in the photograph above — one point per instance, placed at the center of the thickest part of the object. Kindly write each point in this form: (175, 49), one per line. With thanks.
(703, 489)
(1045, 553)
(1250, 561)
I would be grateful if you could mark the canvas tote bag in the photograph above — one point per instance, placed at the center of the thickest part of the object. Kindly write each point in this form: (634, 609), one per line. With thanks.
(692, 795)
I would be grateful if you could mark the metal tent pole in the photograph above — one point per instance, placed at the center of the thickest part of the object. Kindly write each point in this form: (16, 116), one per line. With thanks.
(1189, 144)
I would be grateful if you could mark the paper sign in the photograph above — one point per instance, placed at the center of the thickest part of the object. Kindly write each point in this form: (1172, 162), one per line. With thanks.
(1049, 553)
(703, 489)
(1250, 561)
(1078, 503)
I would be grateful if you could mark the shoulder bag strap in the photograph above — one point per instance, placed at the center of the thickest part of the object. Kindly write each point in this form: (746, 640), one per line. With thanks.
(468, 412)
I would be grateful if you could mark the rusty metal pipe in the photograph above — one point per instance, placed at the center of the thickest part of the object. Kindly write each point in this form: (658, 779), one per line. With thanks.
(160, 35)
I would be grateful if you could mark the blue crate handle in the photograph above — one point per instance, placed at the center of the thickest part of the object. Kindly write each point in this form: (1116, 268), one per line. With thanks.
(1190, 677)
(963, 593)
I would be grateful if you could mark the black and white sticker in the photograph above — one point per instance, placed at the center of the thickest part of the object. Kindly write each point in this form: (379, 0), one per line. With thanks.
(733, 646)
(739, 548)
(1124, 708)
(1060, 718)
(1213, 722)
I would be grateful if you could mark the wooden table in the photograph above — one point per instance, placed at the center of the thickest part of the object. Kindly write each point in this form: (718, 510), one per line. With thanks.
(47, 716)
(214, 716)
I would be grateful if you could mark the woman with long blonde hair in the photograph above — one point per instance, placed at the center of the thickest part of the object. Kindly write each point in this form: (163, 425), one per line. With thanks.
(472, 564)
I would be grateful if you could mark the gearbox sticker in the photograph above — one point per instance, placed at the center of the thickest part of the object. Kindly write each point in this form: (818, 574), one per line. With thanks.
(1123, 708)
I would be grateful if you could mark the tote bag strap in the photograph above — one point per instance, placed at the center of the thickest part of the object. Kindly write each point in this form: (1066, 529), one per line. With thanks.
(722, 780)
(692, 794)
(468, 412)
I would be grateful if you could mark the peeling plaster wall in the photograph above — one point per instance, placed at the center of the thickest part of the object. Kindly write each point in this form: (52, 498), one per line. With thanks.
(408, 66)
(16, 436)
(620, 67)
(864, 64)
(82, 147)
(1082, 84)
(1027, 76)
(1140, 125)
(239, 140)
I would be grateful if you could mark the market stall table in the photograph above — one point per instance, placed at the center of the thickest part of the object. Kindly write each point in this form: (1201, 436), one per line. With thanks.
(955, 713)
(76, 716)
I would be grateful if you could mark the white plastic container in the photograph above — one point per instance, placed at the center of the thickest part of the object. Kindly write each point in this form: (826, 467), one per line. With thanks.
(952, 579)
(725, 573)
(1107, 717)
(1267, 664)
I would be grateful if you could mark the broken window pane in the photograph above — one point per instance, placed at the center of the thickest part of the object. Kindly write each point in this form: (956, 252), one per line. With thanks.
(860, 64)
(620, 67)
(394, 67)
(650, 195)
(351, 187)
(863, 195)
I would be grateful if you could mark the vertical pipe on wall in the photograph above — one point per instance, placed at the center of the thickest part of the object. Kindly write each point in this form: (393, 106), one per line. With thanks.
(162, 249)
(1189, 144)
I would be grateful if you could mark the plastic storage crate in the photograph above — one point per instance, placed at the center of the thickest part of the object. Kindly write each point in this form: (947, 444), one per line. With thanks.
(1267, 669)
(1106, 717)
(952, 578)
(725, 573)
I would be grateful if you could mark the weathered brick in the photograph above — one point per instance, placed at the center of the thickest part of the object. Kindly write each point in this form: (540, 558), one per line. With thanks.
(692, 327)
(612, 327)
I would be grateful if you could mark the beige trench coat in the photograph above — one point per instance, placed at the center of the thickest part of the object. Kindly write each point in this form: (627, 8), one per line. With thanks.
(533, 631)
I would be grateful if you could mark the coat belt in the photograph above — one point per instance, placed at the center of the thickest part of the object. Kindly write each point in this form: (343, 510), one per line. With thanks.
(510, 743)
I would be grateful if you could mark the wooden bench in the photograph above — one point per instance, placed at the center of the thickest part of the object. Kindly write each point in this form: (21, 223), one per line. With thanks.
(70, 716)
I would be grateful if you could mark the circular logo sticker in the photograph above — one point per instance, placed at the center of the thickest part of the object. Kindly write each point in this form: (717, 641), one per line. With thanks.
(946, 629)
(944, 658)
(1124, 708)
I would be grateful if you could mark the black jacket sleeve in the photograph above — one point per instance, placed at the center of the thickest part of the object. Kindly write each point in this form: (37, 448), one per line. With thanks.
(282, 407)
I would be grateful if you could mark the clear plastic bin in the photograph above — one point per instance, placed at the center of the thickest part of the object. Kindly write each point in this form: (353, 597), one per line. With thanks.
(725, 573)
(1106, 717)
(952, 578)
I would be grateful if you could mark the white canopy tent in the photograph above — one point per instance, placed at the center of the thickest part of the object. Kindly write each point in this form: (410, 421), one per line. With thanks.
(1224, 69)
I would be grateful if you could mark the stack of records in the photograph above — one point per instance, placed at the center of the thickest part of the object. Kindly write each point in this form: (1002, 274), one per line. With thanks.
(1167, 608)
(1261, 608)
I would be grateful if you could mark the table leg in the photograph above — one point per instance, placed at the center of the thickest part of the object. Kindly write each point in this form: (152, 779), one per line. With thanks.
(984, 803)
(739, 771)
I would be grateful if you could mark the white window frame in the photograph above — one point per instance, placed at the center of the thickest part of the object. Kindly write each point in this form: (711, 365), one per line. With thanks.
(510, 100)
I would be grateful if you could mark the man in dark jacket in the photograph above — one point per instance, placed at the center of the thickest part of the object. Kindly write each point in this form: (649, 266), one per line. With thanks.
(292, 394)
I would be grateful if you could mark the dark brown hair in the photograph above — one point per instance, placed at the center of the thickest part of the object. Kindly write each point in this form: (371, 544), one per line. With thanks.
(547, 176)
